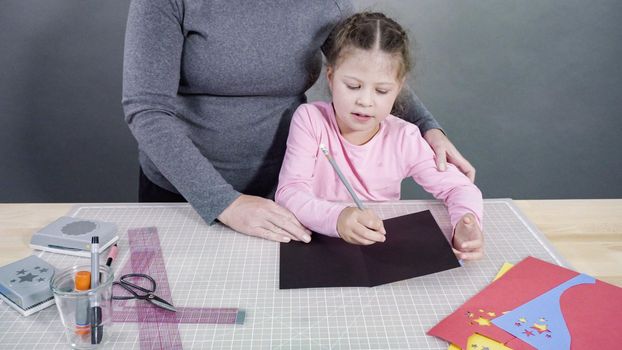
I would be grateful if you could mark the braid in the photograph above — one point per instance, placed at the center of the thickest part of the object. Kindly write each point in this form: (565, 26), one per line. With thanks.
(369, 31)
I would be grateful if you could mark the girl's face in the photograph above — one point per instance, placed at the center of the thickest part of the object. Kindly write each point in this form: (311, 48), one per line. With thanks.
(364, 86)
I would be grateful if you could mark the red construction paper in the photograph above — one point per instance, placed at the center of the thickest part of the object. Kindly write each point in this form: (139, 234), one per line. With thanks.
(593, 312)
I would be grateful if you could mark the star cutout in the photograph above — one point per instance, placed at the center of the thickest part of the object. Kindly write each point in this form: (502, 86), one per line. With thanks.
(522, 320)
(21, 272)
(517, 324)
(528, 333)
(541, 328)
(43, 270)
(28, 277)
(482, 321)
(491, 314)
(547, 335)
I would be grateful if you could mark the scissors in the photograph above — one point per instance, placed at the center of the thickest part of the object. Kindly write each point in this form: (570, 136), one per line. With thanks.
(147, 293)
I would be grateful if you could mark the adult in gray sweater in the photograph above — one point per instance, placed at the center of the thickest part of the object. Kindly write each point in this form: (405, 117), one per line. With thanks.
(209, 88)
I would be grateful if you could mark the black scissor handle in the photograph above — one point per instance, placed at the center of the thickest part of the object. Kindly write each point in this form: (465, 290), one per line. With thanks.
(129, 289)
(133, 288)
(124, 280)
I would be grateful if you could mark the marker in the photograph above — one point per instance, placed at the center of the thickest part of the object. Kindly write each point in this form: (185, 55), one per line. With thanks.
(358, 202)
(112, 254)
(95, 318)
(82, 282)
(94, 261)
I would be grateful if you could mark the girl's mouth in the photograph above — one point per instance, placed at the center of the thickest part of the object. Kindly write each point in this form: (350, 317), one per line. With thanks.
(362, 117)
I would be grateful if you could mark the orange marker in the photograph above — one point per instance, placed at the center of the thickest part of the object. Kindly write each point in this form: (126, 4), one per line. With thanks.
(82, 282)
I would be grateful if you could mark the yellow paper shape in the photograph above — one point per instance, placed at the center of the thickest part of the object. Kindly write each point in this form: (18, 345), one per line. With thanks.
(453, 347)
(480, 339)
(479, 342)
(506, 266)
(482, 321)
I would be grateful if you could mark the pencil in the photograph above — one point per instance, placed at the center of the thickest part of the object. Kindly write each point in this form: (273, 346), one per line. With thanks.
(358, 202)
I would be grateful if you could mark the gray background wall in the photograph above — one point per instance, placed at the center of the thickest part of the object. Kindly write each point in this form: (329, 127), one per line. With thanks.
(529, 91)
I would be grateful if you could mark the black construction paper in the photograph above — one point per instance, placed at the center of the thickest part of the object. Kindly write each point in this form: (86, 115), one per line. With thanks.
(415, 246)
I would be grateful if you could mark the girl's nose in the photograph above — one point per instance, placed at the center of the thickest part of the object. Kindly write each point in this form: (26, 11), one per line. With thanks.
(364, 100)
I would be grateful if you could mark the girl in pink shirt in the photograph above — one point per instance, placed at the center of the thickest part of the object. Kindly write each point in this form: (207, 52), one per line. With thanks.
(367, 62)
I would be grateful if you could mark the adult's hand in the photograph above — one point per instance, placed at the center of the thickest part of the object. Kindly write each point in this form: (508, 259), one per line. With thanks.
(446, 152)
(260, 217)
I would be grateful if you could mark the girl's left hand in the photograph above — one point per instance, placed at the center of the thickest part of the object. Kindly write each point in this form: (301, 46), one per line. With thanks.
(446, 151)
(468, 241)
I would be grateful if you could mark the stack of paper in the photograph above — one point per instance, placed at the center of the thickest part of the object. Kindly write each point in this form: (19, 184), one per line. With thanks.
(538, 305)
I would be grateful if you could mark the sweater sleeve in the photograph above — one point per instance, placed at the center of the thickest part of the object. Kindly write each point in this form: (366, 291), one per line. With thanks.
(151, 73)
(457, 192)
(413, 110)
(295, 190)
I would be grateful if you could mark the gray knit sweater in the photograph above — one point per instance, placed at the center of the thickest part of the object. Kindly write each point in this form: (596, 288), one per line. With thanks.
(209, 88)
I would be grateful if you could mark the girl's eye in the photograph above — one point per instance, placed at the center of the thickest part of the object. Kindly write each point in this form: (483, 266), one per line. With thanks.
(382, 92)
(352, 87)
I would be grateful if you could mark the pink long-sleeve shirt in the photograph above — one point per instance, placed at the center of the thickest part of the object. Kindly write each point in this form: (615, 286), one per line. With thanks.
(310, 188)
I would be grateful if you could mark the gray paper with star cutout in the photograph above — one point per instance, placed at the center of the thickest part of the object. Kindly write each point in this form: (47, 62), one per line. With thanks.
(26, 282)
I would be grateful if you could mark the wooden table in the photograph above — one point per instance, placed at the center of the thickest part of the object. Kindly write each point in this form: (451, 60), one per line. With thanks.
(587, 233)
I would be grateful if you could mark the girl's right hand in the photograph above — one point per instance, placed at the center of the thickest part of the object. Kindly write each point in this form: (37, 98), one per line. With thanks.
(358, 226)
(260, 217)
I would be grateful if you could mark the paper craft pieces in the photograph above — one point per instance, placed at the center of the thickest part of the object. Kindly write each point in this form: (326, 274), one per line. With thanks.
(475, 340)
(540, 322)
(479, 342)
(590, 310)
(504, 268)
(415, 246)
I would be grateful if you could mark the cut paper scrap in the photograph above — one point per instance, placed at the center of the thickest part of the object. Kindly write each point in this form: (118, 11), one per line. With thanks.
(479, 342)
(504, 268)
(540, 322)
(591, 311)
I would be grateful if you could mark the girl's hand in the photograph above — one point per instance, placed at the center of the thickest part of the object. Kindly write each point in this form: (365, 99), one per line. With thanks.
(468, 242)
(260, 217)
(358, 226)
(446, 151)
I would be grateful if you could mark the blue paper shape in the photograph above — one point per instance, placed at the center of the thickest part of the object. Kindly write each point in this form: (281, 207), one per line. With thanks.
(540, 322)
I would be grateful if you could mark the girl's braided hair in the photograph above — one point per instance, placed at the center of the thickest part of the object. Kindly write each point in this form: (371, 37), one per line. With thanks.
(367, 31)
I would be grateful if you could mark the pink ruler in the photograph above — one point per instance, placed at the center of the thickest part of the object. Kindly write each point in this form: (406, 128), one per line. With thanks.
(158, 327)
